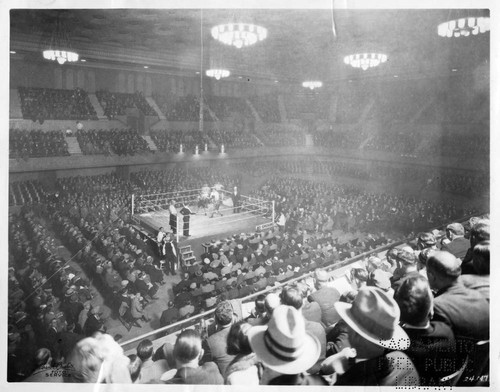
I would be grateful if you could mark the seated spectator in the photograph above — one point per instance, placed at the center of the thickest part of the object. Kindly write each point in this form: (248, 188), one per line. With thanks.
(432, 348)
(134, 367)
(216, 344)
(465, 310)
(187, 355)
(99, 359)
(137, 310)
(258, 313)
(94, 323)
(151, 371)
(310, 310)
(326, 297)
(425, 241)
(358, 278)
(457, 244)
(291, 296)
(338, 336)
(286, 349)
(245, 368)
(170, 315)
(479, 281)
(406, 265)
(44, 371)
(372, 321)
(380, 279)
(480, 231)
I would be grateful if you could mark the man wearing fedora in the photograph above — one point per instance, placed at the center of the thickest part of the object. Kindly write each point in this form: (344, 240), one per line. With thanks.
(372, 321)
(286, 349)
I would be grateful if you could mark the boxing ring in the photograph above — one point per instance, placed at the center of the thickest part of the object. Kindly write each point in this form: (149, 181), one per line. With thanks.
(254, 214)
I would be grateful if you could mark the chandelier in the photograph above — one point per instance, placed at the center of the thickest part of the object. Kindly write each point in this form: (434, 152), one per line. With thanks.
(61, 56)
(218, 73)
(365, 60)
(239, 34)
(464, 26)
(57, 47)
(312, 84)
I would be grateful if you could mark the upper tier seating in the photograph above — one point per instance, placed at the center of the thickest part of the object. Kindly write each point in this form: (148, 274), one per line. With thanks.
(55, 104)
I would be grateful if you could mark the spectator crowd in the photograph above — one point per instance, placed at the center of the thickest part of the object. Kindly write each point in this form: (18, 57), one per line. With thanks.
(116, 104)
(40, 104)
(35, 144)
(419, 316)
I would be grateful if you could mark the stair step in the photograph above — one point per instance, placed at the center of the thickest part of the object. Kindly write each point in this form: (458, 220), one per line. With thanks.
(189, 258)
(97, 106)
(151, 144)
(186, 248)
(187, 254)
(156, 108)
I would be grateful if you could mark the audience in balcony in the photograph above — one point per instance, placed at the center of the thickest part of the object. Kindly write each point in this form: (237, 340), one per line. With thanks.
(40, 104)
(186, 109)
(113, 141)
(36, 144)
(116, 104)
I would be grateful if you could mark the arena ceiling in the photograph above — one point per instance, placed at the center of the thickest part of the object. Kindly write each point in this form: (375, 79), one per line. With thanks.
(300, 43)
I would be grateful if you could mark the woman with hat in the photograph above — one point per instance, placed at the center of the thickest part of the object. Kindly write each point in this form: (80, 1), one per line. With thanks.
(286, 349)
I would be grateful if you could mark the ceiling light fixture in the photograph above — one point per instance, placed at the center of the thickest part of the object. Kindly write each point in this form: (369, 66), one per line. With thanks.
(365, 60)
(58, 48)
(239, 34)
(464, 27)
(312, 84)
(218, 73)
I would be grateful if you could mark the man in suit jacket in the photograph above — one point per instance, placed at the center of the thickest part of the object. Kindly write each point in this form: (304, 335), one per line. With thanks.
(465, 310)
(188, 353)
(458, 245)
(326, 297)
(479, 281)
(171, 253)
(170, 315)
(236, 199)
(479, 231)
(433, 347)
(151, 371)
(216, 345)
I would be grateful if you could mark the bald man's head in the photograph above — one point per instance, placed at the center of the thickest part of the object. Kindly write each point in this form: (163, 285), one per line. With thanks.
(444, 268)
